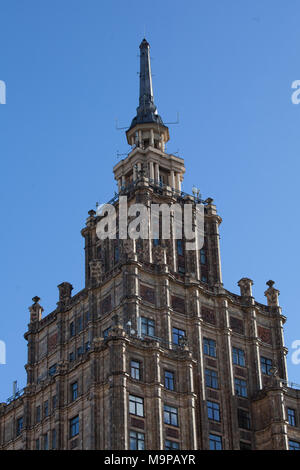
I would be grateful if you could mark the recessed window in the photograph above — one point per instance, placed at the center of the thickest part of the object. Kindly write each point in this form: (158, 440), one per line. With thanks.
(215, 442)
(74, 391)
(71, 357)
(238, 357)
(74, 426)
(53, 439)
(37, 444)
(243, 419)
(45, 442)
(209, 347)
(266, 365)
(202, 256)
(79, 351)
(87, 346)
(135, 370)
(38, 414)
(52, 370)
(177, 335)
(294, 445)
(148, 326)
(105, 332)
(213, 411)
(291, 416)
(240, 388)
(46, 409)
(136, 405)
(19, 425)
(72, 329)
(54, 402)
(170, 415)
(211, 378)
(171, 445)
(137, 440)
(180, 247)
(169, 380)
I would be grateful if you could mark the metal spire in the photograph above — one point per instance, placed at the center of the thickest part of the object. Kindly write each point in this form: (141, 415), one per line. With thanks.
(146, 111)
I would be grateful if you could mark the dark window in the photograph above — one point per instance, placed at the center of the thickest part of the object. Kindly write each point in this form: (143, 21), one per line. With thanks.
(291, 417)
(38, 414)
(170, 415)
(169, 380)
(87, 346)
(213, 411)
(148, 326)
(46, 409)
(74, 391)
(266, 365)
(243, 419)
(209, 346)
(155, 242)
(53, 402)
(135, 370)
(202, 256)
(74, 426)
(71, 357)
(215, 442)
(105, 332)
(116, 254)
(136, 405)
(79, 324)
(79, 351)
(87, 317)
(171, 445)
(52, 370)
(177, 335)
(53, 438)
(179, 247)
(137, 440)
(294, 445)
(72, 329)
(37, 444)
(238, 357)
(45, 442)
(19, 425)
(240, 387)
(211, 378)
(245, 446)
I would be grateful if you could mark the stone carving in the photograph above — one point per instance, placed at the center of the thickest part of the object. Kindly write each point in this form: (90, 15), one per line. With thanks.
(272, 295)
(160, 255)
(245, 284)
(96, 270)
(36, 310)
(129, 248)
(65, 290)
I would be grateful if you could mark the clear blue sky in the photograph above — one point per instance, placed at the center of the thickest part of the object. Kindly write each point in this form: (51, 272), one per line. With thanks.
(70, 67)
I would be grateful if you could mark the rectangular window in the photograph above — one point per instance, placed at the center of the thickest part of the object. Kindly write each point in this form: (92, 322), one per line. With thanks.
(135, 370)
(105, 332)
(291, 417)
(19, 425)
(137, 440)
(240, 387)
(38, 414)
(71, 356)
(52, 370)
(53, 402)
(148, 326)
(202, 256)
(243, 419)
(238, 357)
(170, 415)
(74, 391)
(294, 445)
(266, 365)
(53, 439)
(136, 405)
(79, 324)
(74, 426)
(211, 378)
(46, 409)
(179, 247)
(37, 444)
(72, 329)
(245, 446)
(169, 380)
(209, 347)
(213, 411)
(87, 346)
(45, 442)
(215, 442)
(171, 445)
(79, 351)
(177, 335)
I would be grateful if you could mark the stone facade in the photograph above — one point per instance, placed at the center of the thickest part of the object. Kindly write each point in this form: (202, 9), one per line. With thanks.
(154, 352)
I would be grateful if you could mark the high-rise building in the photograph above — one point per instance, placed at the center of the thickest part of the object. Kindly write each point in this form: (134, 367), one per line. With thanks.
(154, 353)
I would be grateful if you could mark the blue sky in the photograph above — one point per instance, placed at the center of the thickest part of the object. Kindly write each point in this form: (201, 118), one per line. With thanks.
(71, 66)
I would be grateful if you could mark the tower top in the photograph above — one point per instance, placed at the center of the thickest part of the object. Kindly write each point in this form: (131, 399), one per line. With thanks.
(146, 111)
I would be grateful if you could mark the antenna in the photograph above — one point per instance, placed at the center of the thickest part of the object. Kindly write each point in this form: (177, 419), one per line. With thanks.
(120, 128)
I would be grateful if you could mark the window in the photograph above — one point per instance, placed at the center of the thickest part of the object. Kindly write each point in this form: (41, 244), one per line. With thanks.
(71, 356)
(116, 254)
(245, 446)
(179, 247)
(137, 440)
(266, 365)
(294, 445)
(238, 357)
(170, 415)
(79, 324)
(177, 335)
(105, 332)
(291, 416)
(209, 346)
(240, 387)
(171, 445)
(72, 329)
(148, 326)
(37, 444)
(52, 370)
(79, 351)
(136, 405)
(53, 402)
(211, 378)
(215, 442)
(45, 442)
(46, 409)
(155, 242)
(87, 346)
(243, 419)
(53, 439)
(19, 425)
(213, 411)
(202, 256)
(74, 426)
(74, 391)
(38, 414)
(135, 370)
(169, 380)
(87, 317)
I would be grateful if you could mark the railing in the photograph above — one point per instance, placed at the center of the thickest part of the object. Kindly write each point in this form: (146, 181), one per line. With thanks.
(18, 394)
(293, 385)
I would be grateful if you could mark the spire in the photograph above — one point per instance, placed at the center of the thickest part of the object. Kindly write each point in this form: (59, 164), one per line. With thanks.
(146, 111)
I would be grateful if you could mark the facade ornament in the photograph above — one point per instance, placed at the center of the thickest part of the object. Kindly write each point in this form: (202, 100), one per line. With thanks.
(36, 310)
(160, 255)
(245, 284)
(65, 291)
(96, 270)
(272, 295)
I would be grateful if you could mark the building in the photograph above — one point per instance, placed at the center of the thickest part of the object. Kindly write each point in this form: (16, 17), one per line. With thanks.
(154, 352)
